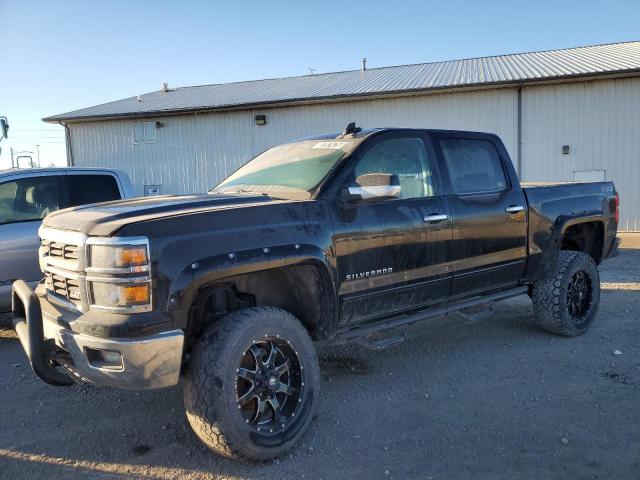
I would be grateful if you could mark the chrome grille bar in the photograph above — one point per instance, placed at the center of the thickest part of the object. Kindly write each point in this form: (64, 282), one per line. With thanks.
(62, 261)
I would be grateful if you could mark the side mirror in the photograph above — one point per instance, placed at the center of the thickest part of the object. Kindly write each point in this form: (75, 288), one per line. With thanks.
(4, 128)
(374, 186)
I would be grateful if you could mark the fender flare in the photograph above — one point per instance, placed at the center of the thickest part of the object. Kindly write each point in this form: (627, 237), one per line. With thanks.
(561, 225)
(185, 286)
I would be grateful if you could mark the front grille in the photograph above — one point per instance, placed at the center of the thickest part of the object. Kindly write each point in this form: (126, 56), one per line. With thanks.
(65, 287)
(61, 262)
(59, 250)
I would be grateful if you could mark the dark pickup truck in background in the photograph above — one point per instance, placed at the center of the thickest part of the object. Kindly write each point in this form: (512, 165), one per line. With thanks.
(337, 238)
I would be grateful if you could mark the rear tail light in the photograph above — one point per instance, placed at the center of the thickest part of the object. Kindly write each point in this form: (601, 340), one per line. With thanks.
(617, 214)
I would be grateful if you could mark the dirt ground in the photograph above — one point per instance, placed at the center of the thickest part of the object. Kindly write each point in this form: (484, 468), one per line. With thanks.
(493, 398)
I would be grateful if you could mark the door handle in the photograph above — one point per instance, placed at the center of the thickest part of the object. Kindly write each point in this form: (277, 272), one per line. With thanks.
(435, 217)
(514, 209)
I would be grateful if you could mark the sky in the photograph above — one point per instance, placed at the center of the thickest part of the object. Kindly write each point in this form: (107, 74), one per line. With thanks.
(60, 56)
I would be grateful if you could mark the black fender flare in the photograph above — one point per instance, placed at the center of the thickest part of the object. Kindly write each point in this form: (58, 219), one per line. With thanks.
(562, 223)
(217, 268)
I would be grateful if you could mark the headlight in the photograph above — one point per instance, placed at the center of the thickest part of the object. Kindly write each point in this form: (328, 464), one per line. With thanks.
(118, 258)
(111, 263)
(133, 295)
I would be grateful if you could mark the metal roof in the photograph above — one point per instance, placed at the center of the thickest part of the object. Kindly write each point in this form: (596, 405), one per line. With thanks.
(618, 58)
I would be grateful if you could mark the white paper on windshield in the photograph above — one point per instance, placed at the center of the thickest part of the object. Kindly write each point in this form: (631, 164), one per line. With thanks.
(331, 145)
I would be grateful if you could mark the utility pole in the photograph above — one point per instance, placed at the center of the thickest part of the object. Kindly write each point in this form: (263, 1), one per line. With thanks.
(38, 148)
(12, 166)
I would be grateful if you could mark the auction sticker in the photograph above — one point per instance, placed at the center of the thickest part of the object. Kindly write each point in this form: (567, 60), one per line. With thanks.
(331, 145)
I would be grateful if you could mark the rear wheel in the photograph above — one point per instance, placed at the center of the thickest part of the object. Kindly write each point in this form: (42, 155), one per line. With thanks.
(252, 384)
(566, 302)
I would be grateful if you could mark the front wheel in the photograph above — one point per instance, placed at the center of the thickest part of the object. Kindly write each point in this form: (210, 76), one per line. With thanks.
(566, 302)
(252, 384)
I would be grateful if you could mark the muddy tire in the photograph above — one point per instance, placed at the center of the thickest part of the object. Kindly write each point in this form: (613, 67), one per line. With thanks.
(566, 302)
(252, 384)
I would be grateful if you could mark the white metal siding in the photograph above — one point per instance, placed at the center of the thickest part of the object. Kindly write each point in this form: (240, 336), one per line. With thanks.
(600, 121)
(194, 152)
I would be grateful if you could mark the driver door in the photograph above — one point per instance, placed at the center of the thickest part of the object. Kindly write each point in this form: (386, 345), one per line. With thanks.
(24, 202)
(393, 254)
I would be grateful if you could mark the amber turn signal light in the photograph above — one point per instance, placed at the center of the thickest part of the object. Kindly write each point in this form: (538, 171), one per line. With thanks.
(134, 295)
(131, 256)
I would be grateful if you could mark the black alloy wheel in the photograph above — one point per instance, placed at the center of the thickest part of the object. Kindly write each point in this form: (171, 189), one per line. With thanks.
(269, 384)
(579, 295)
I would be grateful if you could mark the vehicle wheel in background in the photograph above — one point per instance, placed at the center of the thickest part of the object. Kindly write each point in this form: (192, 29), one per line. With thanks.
(566, 302)
(252, 384)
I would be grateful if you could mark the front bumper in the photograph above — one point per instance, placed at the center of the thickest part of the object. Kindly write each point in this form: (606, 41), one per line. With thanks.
(59, 355)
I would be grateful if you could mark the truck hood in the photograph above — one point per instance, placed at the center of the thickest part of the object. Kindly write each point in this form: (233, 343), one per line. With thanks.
(104, 219)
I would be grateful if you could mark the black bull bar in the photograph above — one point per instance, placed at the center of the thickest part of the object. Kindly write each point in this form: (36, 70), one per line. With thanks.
(27, 322)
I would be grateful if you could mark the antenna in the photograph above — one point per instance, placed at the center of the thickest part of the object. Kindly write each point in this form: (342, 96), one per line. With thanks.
(351, 128)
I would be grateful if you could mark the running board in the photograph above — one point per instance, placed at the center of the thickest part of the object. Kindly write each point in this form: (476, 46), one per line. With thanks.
(379, 327)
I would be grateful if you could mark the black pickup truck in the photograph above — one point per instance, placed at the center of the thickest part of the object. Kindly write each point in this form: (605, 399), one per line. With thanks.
(337, 238)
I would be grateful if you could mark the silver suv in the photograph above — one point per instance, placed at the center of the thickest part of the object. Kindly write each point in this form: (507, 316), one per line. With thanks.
(27, 196)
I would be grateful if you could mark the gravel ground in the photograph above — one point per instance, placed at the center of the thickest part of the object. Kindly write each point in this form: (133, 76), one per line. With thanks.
(492, 398)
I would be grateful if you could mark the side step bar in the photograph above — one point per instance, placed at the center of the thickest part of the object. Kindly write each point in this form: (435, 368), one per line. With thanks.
(378, 327)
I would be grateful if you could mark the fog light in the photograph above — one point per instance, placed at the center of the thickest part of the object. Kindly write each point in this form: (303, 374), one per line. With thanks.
(104, 358)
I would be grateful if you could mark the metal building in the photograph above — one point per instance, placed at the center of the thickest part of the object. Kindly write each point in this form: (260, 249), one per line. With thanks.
(564, 115)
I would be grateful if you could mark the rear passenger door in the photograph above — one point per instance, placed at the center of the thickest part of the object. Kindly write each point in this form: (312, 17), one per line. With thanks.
(489, 212)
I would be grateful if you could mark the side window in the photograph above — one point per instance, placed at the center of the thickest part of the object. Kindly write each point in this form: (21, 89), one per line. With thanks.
(84, 189)
(473, 166)
(144, 132)
(405, 157)
(7, 199)
(28, 199)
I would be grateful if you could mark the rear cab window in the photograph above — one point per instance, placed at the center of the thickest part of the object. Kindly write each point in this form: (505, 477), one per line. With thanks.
(95, 188)
(473, 166)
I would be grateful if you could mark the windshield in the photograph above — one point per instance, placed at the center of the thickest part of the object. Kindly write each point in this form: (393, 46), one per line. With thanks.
(293, 170)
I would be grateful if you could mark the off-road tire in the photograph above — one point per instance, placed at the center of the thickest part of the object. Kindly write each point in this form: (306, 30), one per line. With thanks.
(549, 296)
(210, 383)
